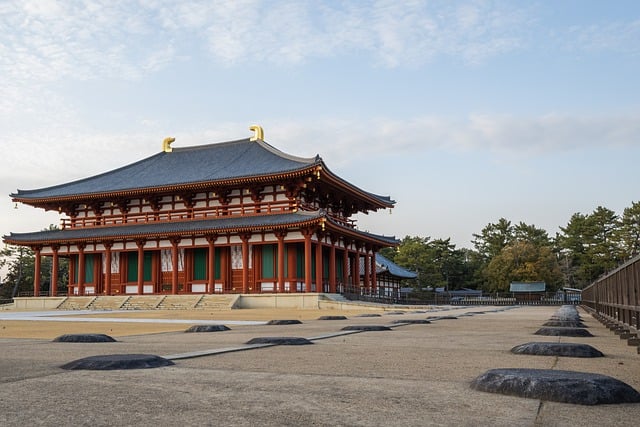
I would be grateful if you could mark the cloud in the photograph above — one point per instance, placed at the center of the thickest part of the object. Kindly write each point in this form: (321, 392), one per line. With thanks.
(618, 37)
(44, 155)
(500, 135)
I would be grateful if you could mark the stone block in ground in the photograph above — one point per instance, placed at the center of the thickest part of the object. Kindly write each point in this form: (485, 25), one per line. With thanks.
(580, 388)
(118, 361)
(366, 328)
(332, 318)
(412, 321)
(84, 338)
(280, 341)
(564, 323)
(208, 328)
(284, 322)
(562, 349)
(563, 332)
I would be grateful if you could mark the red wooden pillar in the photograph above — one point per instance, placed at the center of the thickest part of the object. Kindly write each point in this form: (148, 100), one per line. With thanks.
(332, 267)
(174, 266)
(307, 260)
(81, 270)
(211, 260)
(292, 271)
(36, 273)
(367, 275)
(374, 284)
(281, 236)
(345, 268)
(107, 266)
(319, 266)
(54, 272)
(140, 244)
(245, 262)
(356, 270)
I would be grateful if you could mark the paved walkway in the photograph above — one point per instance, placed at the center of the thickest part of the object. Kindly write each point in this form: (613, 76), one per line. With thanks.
(412, 375)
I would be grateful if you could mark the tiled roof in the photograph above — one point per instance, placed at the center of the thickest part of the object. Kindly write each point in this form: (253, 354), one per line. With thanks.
(204, 163)
(221, 225)
(393, 268)
(163, 228)
(384, 264)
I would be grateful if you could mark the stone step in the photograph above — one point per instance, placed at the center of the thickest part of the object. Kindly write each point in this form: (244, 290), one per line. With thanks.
(75, 303)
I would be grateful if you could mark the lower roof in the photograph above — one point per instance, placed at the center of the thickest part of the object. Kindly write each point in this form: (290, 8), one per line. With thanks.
(231, 224)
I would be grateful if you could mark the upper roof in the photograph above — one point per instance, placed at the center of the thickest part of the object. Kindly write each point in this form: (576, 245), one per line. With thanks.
(226, 163)
(203, 163)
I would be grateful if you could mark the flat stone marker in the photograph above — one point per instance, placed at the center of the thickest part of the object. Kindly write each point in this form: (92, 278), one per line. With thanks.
(284, 322)
(367, 328)
(394, 313)
(118, 361)
(332, 318)
(208, 328)
(368, 315)
(565, 323)
(563, 349)
(280, 341)
(442, 318)
(413, 321)
(563, 332)
(84, 338)
(558, 386)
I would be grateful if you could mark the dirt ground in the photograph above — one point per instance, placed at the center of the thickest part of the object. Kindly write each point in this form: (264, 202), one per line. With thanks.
(52, 329)
(409, 375)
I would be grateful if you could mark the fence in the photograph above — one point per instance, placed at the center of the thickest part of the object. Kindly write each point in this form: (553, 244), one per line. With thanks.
(550, 298)
(616, 295)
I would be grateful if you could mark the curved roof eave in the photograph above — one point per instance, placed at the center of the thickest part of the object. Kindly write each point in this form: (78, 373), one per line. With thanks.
(165, 229)
(376, 199)
(385, 241)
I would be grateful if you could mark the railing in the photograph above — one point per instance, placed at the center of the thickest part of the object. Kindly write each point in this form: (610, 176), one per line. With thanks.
(552, 299)
(616, 295)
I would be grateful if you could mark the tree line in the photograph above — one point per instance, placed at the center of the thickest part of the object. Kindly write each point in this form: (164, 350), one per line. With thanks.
(504, 252)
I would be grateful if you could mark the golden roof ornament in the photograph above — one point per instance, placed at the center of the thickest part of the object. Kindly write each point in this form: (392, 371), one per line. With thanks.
(258, 133)
(166, 144)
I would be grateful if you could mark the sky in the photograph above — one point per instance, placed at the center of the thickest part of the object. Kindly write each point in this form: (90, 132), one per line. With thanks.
(464, 112)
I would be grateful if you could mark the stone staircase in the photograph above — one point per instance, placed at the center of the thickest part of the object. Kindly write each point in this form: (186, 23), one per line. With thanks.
(336, 297)
(216, 302)
(179, 302)
(75, 303)
(108, 302)
(142, 302)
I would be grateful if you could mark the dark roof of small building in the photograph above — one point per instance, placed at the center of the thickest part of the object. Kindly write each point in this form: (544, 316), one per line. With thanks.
(180, 228)
(226, 162)
(386, 265)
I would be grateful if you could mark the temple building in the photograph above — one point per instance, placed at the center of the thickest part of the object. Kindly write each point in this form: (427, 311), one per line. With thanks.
(231, 217)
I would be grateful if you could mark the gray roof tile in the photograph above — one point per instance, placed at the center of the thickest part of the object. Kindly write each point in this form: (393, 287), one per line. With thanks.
(204, 163)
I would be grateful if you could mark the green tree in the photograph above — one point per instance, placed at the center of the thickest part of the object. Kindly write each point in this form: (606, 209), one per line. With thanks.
(589, 246)
(523, 261)
(437, 262)
(630, 231)
(20, 264)
(493, 238)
